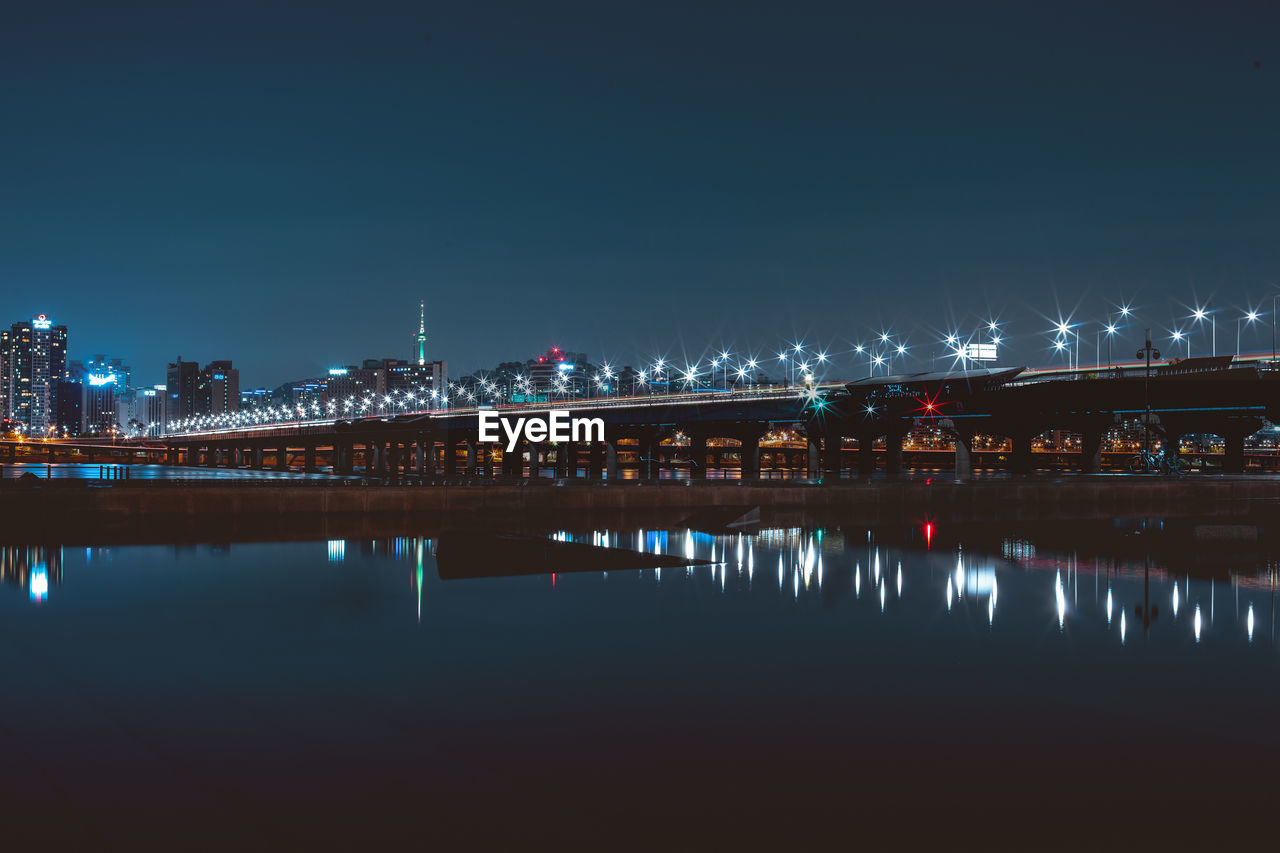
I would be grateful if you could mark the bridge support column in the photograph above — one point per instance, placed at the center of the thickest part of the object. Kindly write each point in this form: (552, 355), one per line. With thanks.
(309, 457)
(535, 460)
(1091, 450)
(697, 457)
(451, 450)
(595, 461)
(893, 451)
(570, 451)
(471, 457)
(866, 456)
(833, 455)
(611, 460)
(486, 452)
(282, 458)
(1233, 455)
(256, 461)
(749, 464)
(964, 456)
(650, 456)
(1021, 453)
(811, 465)
(419, 455)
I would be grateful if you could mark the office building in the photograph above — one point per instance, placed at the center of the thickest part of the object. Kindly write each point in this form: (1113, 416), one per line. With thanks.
(180, 391)
(33, 359)
(218, 389)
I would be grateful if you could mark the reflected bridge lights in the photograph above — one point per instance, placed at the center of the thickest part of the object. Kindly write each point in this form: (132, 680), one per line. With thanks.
(1197, 623)
(1060, 598)
(1248, 622)
(39, 584)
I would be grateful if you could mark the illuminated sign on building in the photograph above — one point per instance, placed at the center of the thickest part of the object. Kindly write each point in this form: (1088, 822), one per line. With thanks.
(980, 352)
(41, 321)
(337, 371)
(102, 379)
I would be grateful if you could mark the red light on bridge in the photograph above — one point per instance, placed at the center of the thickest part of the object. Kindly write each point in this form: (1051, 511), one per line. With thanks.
(928, 535)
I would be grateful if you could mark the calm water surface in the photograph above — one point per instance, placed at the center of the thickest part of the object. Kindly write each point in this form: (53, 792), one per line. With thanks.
(812, 679)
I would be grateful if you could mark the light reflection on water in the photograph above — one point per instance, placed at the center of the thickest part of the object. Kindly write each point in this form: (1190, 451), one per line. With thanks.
(808, 560)
(270, 671)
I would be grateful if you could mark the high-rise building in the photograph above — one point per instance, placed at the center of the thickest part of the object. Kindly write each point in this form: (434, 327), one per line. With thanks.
(180, 391)
(103, 369)
(256, 398)
(414, 378)
(149, 410)
(97, 405)
(70, 418)
(353, 384)
(218, 389)
(191, 390)
(33, 358)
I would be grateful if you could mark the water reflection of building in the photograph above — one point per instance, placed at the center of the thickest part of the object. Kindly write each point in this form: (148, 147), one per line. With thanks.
(34, 568)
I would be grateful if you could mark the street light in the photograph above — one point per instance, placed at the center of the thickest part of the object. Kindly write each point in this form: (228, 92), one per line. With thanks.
(1064, 329)
(1198, 315)
(1250, 317)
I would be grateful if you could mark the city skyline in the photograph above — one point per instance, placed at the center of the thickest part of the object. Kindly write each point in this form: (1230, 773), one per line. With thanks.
(1198, 327)
(579, 176)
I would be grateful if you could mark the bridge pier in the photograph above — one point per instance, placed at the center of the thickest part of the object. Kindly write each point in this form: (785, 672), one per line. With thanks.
(282, 458)
(647, 453)
(310, 457)
(749, 464)
(833, 453)
(535, 460)
(893, 451)
(1021, 461)
(595, 461)
(964, 454)
(486, 453)
(1233, 452)
(866, 455)
(1091, 450)
(611, 459)
(697, 456)
(570, 451)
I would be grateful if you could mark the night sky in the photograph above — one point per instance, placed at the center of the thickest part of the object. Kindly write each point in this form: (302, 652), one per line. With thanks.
(280, 184)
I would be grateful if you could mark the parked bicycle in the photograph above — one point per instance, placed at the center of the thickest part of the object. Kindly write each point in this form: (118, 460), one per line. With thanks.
(1147, 462)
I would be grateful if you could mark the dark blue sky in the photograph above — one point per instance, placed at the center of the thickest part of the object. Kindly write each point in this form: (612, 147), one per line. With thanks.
(280, 183)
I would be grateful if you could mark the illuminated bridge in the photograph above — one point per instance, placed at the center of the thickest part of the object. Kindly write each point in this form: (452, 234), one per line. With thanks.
(1197, 396)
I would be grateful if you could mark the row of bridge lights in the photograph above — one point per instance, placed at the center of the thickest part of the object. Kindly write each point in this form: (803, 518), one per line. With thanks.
(800, 363)
(1065, 333)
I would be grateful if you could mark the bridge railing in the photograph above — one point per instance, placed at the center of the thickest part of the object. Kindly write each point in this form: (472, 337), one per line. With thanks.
(303, 427)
